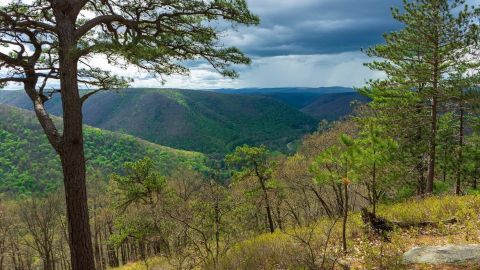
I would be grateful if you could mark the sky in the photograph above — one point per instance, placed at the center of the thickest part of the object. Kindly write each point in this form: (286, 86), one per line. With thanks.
(300, 43)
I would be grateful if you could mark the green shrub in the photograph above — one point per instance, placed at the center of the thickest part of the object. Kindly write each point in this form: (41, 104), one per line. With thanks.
(314, 247)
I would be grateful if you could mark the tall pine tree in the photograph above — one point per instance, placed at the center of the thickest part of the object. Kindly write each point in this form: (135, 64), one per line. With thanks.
(420, 61)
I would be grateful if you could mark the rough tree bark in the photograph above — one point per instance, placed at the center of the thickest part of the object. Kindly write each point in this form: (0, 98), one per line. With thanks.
(72, 150)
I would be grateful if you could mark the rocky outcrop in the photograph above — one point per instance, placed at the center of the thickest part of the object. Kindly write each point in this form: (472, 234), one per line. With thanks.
(436, 255)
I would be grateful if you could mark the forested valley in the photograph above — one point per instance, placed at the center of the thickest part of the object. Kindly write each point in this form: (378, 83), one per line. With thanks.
(217, 218)
(402, 170)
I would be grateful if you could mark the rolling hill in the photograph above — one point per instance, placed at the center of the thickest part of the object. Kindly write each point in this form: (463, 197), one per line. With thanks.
(329, 103)
(28, 164)
(333, 106)
(297, 100)
(203, 121)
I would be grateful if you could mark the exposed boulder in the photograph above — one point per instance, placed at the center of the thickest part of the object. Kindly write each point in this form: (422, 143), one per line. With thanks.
(436, 255)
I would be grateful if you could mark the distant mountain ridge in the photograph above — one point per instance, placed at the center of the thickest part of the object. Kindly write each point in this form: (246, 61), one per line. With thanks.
(333, 106)
(317, 90)
(203, 121)
(322, 103)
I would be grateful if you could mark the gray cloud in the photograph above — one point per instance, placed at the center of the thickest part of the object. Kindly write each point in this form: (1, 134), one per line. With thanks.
(299, 43)
(302, 43)
(314, 26)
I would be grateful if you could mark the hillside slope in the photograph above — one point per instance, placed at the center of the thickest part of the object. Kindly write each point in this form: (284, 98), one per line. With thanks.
(298, 100)
(329, 103)
(202, 121)
(29, 164)
(333, 106)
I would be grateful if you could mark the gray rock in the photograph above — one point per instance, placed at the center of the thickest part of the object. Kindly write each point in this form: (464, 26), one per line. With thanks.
(451, 254)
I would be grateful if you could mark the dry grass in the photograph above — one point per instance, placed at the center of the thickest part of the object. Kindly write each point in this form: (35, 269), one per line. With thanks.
(153, 264)
(287, 250)
(372, 253)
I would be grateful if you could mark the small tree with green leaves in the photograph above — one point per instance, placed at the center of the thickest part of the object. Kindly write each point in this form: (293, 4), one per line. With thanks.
(138, 195)
(141, 185)
(254, 162)
(337, 164)
(375, 155)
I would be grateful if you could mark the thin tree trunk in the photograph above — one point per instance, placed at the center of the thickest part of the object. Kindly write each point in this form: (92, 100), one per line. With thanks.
(267, 206)
(445, 160)
(345, 217)
(324, 204)
(460, 153)
(113, 260)
(279, 216)
(262, 181)
(374, 187)
(294, 214)
(445, 165)
(217, 230)
(123, 253)
(102, 254)
(97, 251)
(474, 181)
(420, 167)
(96, 236)
(432, 147)
(337, 188)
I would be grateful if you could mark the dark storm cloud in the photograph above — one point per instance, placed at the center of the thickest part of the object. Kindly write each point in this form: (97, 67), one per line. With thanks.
(315, 26)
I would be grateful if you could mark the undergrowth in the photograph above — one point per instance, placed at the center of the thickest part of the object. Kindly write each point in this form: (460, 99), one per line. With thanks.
(318, 246)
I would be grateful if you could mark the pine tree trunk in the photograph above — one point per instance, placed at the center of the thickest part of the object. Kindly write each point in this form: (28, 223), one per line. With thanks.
(432, 147)
(460, 153)
(77, 211)
(433, 130)
(420, 167)
(72, 149)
